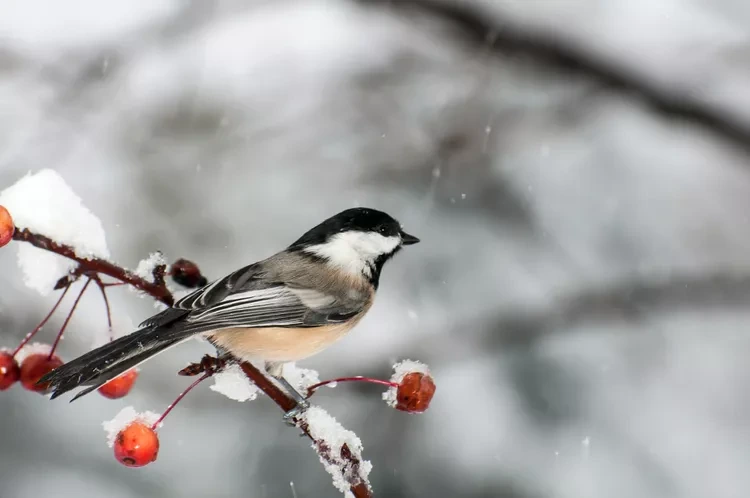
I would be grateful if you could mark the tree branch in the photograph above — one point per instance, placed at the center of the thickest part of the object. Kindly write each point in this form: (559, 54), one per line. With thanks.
(623, 300)
(626, 299)
(347, 462)
(158, 291)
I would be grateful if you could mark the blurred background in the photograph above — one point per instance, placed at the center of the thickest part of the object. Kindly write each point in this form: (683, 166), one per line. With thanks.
(578, 173)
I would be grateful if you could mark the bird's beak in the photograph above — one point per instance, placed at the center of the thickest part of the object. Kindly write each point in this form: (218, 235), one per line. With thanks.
(407, 239)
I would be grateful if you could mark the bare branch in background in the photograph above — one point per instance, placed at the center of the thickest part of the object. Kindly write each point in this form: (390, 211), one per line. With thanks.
(492, 32)
(626, 300)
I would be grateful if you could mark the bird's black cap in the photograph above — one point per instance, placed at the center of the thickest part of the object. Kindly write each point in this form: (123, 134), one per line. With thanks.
(354, 219)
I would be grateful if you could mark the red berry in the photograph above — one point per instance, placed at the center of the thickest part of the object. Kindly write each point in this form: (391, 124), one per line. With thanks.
(9, 370)
(7, 228)
(119, 386)
(34, 367)
(136, 445)
(415, 392)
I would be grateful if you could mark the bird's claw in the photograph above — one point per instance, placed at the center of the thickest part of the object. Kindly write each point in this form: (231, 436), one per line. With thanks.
(208, 364)
(290, 416)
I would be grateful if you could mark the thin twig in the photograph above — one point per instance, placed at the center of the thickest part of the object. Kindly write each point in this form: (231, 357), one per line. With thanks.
(359, 378)
(103, 291)
(189, 388)
(67, 318)
(41, 324)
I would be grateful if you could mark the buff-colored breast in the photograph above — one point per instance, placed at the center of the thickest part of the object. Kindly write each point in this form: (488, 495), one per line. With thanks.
(280, 344)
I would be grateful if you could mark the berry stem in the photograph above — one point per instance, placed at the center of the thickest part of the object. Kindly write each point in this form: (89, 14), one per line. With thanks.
(311, 390)
(67, 319)
(103, 290)
(41, 324)
(179, 398)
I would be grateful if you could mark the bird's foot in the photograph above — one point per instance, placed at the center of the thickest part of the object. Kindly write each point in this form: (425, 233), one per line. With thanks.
(294, 413)
(302, 403)
(208, 364)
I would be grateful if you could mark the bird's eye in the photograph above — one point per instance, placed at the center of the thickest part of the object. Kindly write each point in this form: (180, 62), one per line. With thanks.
(383, 229)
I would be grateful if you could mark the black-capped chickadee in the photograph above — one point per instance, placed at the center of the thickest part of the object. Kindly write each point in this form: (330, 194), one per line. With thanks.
(285, 308)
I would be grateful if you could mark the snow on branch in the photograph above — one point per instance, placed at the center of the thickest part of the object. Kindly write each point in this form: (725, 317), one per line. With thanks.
(339, 449)
(44, 203)
(158, 291)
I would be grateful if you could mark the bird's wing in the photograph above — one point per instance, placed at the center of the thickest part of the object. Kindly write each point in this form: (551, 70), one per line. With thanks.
(248, 298)
(266, 294)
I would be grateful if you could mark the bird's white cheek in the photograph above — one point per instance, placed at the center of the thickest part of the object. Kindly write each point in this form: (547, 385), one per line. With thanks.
(353, 251)
(372, 245)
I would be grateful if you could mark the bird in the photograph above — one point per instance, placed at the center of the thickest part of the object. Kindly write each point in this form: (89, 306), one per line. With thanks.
(285, 308)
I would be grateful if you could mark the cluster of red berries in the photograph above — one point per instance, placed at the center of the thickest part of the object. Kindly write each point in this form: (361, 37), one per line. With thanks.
(137, 444)
(34, 366)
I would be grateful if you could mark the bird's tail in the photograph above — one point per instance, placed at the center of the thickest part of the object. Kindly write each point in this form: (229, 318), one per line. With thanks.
(107, 362)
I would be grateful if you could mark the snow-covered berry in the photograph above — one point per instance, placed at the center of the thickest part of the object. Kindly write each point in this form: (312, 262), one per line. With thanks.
(10, 372)
(34, 367)
(119, 386)
(413, 387)
(7, 228)
(136, 445)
